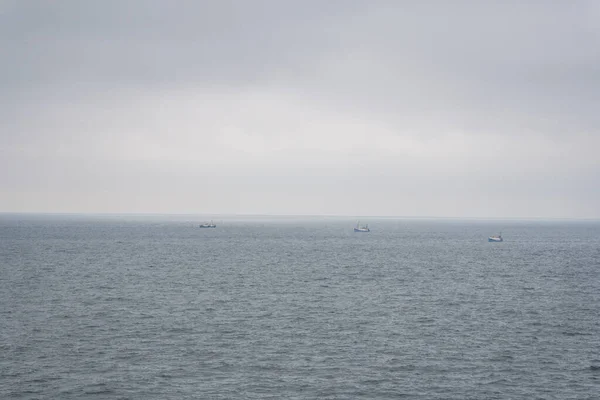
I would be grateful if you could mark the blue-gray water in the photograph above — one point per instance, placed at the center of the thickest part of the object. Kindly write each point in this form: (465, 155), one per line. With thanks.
(155, 308)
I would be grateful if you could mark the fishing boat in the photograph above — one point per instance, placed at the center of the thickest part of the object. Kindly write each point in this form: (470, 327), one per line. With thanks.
(207, 225)
(497, 238)
(364, 228)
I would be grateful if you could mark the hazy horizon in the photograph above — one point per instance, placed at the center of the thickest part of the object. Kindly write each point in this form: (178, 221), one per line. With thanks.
(405, 109)
(203, 217)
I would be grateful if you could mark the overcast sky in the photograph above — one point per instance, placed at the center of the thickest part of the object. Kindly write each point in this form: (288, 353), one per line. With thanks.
(399, 108)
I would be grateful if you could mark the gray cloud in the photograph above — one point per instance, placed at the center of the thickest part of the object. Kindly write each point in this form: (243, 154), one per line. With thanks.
(432, 108)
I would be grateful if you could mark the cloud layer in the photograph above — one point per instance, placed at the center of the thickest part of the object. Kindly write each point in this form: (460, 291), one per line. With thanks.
(347, 107)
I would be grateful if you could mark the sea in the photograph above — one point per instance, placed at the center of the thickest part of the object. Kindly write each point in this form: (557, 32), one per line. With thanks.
(263, 307)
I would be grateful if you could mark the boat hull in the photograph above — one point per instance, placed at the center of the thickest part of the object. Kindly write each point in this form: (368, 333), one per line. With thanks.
(492, 239)
(361, 230)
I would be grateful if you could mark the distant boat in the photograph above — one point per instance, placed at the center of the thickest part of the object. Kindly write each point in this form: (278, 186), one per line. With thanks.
(497, 238)
(207, 225)
(364, 228)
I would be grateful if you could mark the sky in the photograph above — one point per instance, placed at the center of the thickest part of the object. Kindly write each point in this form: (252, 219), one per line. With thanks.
(341, 107)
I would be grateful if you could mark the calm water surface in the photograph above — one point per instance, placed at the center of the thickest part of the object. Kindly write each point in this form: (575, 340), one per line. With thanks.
(258, 308)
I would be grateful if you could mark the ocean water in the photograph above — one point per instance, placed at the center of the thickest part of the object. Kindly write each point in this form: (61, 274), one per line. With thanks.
(129, 307)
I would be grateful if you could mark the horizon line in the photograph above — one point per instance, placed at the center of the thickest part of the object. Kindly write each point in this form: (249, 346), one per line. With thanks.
(214, 215)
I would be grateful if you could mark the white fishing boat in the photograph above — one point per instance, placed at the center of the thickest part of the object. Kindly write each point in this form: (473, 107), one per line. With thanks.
(497, 238)
(364, 228)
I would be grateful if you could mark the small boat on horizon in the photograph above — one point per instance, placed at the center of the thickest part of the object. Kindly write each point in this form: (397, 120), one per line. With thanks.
(207, 225)
(364, 228)
(497, 238)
